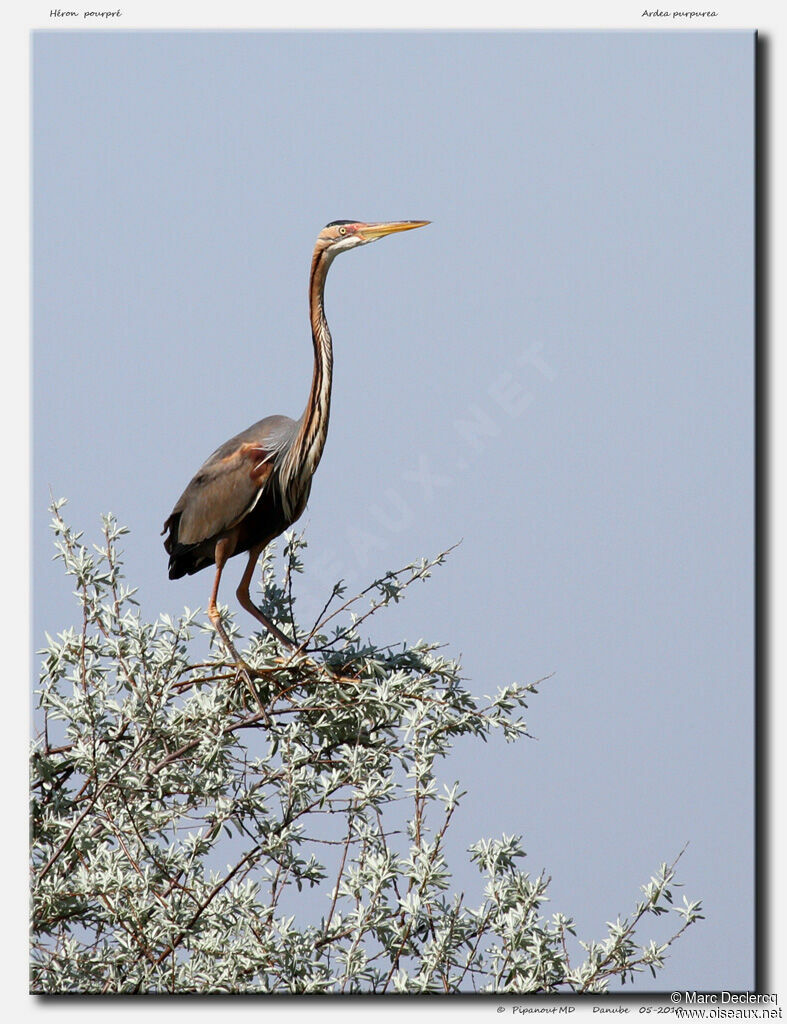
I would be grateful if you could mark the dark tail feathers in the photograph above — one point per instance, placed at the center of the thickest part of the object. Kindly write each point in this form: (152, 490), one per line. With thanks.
(184, 559)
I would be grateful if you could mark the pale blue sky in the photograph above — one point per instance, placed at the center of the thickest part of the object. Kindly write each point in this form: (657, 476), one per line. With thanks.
(559, 370)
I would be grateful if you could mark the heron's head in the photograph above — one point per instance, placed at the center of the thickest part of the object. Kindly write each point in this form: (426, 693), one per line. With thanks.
(340, 235)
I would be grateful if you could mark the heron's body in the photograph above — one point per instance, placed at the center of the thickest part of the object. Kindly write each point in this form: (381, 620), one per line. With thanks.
(257, 484)
(237, 495)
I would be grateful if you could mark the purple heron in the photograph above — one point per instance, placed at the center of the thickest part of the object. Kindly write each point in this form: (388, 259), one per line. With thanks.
(257, 484)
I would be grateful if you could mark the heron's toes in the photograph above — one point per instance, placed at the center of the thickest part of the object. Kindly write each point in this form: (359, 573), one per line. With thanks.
(253, 673)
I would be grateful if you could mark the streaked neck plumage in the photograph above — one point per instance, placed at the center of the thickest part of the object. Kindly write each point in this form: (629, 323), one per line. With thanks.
(306, 451)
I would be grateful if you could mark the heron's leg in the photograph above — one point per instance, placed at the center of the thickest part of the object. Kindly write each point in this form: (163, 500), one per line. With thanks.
(222, 553)
(246, 602)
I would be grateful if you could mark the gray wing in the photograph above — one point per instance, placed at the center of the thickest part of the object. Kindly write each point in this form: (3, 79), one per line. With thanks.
(230, 482)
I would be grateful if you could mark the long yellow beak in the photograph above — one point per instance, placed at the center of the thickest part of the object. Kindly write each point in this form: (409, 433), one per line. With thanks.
(370, 232)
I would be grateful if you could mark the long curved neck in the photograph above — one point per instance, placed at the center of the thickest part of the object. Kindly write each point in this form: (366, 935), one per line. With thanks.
(307, 450)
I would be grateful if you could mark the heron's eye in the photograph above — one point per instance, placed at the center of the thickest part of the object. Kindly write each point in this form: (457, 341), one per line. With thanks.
(342, 231)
